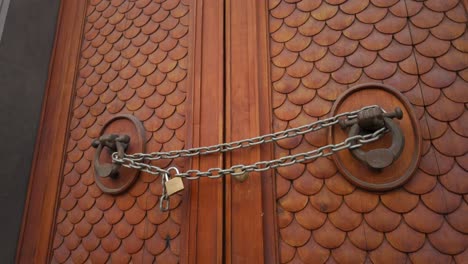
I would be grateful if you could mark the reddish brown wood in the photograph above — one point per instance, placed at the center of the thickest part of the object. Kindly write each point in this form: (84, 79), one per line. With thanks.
(37, 230)
(326, 47)
(136, 58)
(250, 212)
(203, 216)
(133, 60)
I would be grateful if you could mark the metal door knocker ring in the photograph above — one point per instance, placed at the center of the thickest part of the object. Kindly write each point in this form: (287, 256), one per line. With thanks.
(395, 156)
(372, 120)
(116, 143)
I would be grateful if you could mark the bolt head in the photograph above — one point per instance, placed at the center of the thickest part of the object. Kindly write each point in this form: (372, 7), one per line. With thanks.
(398, 113)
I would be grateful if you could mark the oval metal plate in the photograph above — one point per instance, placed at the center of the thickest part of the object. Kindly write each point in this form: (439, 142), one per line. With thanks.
(403, 167)
(121, 124)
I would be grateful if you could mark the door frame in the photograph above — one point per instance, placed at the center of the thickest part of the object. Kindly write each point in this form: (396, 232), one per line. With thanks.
(50, 147)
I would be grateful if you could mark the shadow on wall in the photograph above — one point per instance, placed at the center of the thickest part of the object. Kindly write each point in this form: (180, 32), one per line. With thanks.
(25, 49)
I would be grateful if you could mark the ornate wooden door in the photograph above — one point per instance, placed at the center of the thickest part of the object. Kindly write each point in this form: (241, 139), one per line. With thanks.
(127, 57)
(202, 72)
(162, 62)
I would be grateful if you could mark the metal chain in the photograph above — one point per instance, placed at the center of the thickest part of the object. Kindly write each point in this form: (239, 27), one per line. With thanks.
(137, 160)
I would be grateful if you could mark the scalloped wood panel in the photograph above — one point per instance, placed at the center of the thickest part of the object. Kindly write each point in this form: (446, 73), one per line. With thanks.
(318, 50)
(133, 61)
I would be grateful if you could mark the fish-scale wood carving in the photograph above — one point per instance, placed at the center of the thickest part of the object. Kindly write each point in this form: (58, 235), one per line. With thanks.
(318, 50)
(133, 61)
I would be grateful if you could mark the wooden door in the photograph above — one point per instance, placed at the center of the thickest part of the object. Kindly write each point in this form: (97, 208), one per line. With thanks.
(162, 62)
(202, 72)
(127, 57)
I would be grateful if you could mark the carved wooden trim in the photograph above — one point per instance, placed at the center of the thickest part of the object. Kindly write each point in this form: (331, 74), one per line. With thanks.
(41, 201)
(250, 205)
(202, 230)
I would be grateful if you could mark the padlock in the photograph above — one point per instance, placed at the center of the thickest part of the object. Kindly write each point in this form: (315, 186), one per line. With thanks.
(174, 185)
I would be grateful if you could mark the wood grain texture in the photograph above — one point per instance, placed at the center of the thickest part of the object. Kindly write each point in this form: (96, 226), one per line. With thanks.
(249, 215)
(164, 62)
(133, 60)
(318, 50)
(37, 227)
(203, 217)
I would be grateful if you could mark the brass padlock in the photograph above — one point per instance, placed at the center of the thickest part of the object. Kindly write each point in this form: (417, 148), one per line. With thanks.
(173, 185)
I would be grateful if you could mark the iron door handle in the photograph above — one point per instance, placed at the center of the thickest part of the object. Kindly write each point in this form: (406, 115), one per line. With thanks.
(116, 143)
(373, 120)
(382, 157)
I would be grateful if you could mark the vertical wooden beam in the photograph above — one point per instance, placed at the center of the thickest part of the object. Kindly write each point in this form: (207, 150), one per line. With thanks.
(250, 215)
(202, 234)
(41, 201)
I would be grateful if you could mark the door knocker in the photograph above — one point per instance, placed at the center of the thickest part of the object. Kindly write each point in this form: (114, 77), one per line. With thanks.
(121, 134)
(370, 121)
(115, 143)
(389, 162)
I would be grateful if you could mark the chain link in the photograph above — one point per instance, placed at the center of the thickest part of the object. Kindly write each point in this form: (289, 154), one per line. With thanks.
(137, 160)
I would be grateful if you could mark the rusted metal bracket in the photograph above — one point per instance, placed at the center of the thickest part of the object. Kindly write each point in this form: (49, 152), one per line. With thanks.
(371, 120)
(116, 143)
